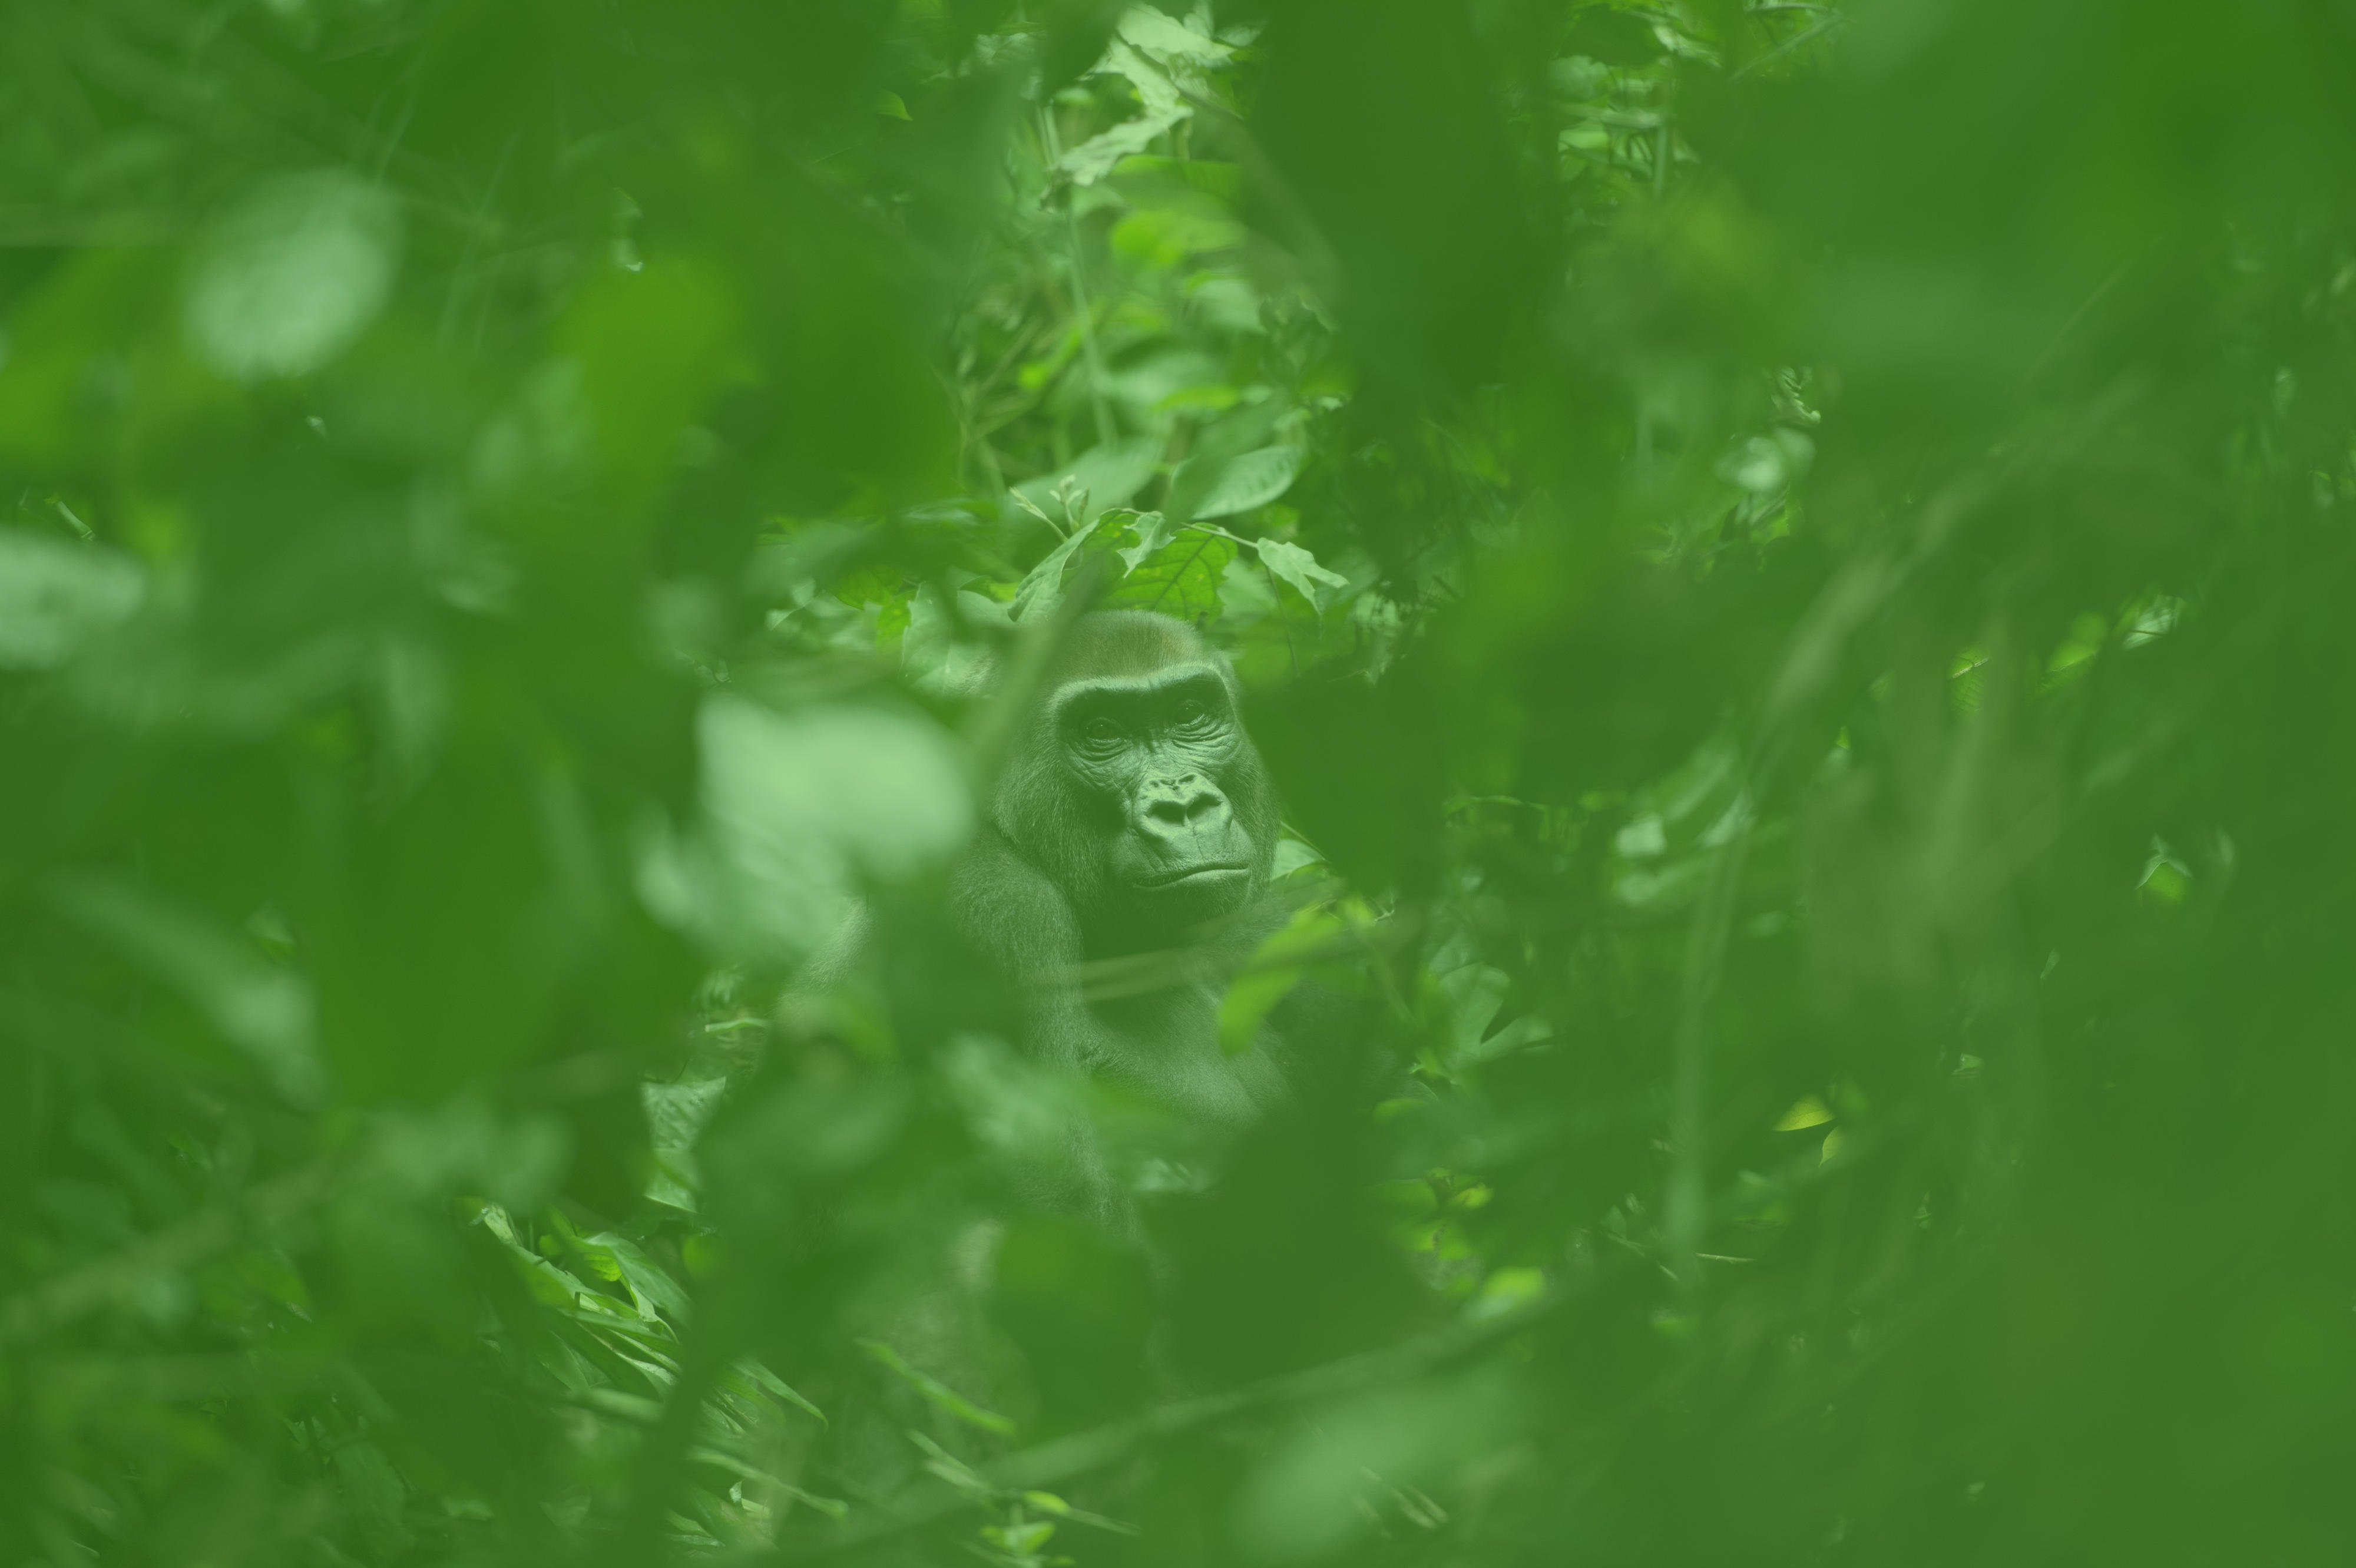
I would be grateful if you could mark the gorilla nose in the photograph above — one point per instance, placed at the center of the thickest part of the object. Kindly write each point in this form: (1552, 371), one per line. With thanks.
(1176, 807)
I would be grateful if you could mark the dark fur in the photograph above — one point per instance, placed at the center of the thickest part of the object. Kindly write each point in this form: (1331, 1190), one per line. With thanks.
(1036, 896)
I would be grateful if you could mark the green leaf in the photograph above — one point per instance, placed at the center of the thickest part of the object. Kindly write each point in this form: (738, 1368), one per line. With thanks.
(775, 1386)
(1766, 464)
(2167, 880)
(1094, 158)
(1216, 449)
(1021, 1540)
(1049, 1503)
(1276, 967)
(794, 808)
(57, 596)
(935, 1392)
(1111, 474)
(1180, 579)
(654, 1290)
(1253, 480)
(1043, 585)
(1505, 1292)
(676, 1112)
(1473, 994)
(1153, 530)
(1808, 1111)
(294, 274)
(1295, 565)
(1167, 38)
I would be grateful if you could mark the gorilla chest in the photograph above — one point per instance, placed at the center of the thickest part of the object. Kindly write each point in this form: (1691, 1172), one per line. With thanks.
(1167, 1045)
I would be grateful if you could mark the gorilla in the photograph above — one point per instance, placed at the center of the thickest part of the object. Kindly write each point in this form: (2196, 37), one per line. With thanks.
(1121, 879)
(1134, 819)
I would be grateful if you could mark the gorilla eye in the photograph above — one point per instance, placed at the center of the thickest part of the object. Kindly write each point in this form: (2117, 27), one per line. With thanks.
(1192, 711)
(1101, 731)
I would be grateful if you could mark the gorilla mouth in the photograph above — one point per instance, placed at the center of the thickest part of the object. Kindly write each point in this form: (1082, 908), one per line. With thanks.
(1186, 875)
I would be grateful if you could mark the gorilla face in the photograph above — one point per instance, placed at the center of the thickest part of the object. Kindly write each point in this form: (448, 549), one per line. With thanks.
(1135, 792)
(1156, 746)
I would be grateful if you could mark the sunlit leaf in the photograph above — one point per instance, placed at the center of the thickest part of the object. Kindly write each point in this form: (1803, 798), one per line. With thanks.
(1808, 1111)
(1181, 578)
(1164, 37)
(1096, 157)
(56, 596)
(797, 806)
(292, 273)
(1153, 531)
(1296, 567)
(1253, 480)
(1112, 473)
(1042, 587)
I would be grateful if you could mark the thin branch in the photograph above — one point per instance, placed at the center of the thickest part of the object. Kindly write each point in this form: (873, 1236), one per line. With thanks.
(1083, 310)
(1804, 36)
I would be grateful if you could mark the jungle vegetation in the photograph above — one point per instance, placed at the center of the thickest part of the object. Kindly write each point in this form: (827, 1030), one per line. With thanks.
(1788, 566)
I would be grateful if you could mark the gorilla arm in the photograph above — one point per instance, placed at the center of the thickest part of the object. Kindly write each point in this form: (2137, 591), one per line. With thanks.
(1025, 928)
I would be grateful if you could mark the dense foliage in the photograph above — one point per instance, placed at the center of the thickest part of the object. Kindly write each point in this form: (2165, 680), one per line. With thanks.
(1791, 563)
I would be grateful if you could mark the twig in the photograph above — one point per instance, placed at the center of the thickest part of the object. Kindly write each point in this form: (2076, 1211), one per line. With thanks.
(2061, 334)
(1806, 34)
(1086, 311)
(1683, 1214)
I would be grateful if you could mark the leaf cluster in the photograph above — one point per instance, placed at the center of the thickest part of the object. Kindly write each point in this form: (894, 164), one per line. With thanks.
(1789, 564)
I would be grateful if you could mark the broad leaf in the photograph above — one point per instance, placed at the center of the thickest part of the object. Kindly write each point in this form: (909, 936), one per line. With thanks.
(1297, 566)
(1167, 38)
(1180, 579)
(1111, 474)
(1275, 969)
(293, 273)
(1251, 480)
(1094, 158)
(57, 596)
(1153, 530)
(1216, 449)
(1043, 585)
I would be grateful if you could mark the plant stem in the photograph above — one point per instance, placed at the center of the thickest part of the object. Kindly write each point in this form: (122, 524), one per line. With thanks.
(1080, 301)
